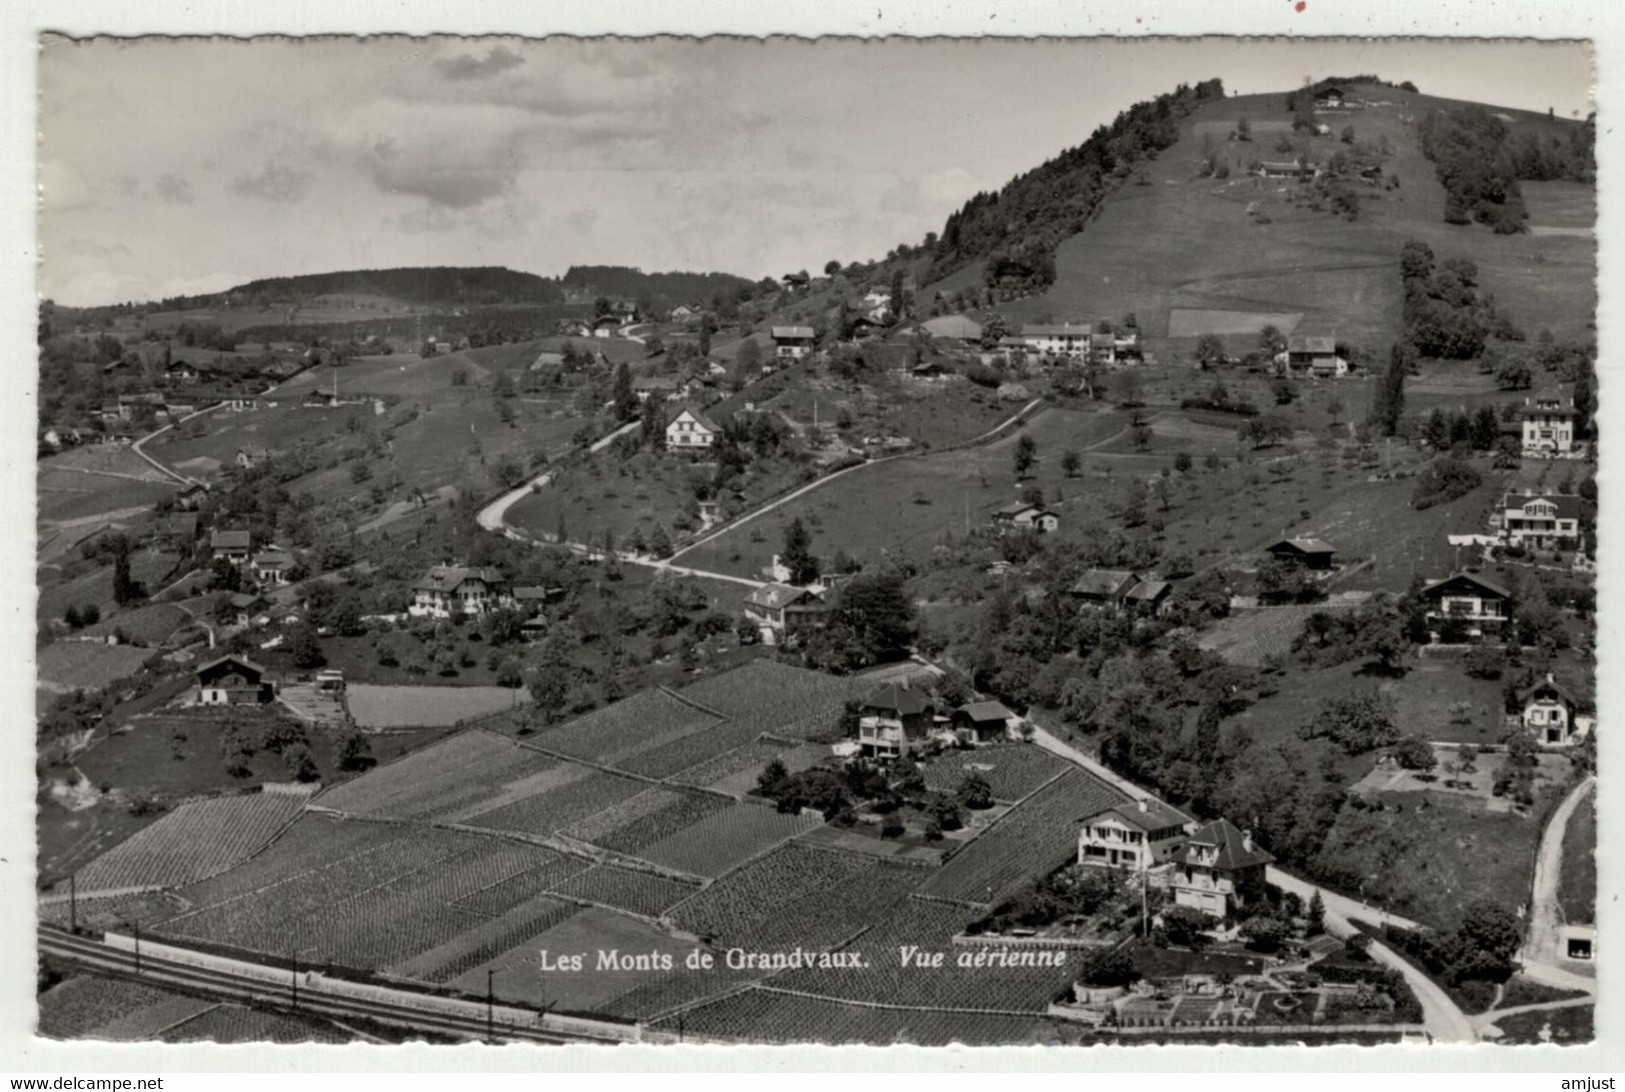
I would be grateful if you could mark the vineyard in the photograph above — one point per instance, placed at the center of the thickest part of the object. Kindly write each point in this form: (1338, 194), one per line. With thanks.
(779, 700)
(521, 887)
(796, 896)
(723, 840)
(561, 804)
(77, 1007)
(192, 842)
(680, 754)
(1014, 770)
(644, 721)
(762, 1015)
(625, 889)
(645, 819)
(1030, 840)
(427, 706)
(235, 1024)
(485, 941)
(441, 780)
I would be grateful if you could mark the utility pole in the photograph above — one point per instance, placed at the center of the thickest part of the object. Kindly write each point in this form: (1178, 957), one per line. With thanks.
(73, 903)
(295, 979)
(490, 1005)
(138, 949)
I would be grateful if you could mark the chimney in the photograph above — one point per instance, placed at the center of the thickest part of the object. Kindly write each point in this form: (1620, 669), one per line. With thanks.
(1144, 807)
(1247, 840)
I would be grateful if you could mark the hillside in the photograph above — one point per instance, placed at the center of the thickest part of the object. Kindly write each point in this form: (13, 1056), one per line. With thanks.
(1182, 250)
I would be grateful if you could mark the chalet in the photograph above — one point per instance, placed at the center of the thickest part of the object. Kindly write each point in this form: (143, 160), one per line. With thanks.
(797, 280)
(605, 325)
(575, 328)
(625, 310)
(1218, 869)
(131, 404)
(1548, 424)
(1102, 348)
(1067, 339)
(318, 399)
(1022, 516)
(1541, 519)
(876, 300)
(661, 388)
(982, 722)
(1549, 709)
(1104, 587)
(863, 326)
(892, 721)
(1316, 356)
(1329, 98)
(181, 372)
(691, 429)
(271, 567)
(1137, 836)
(453, 589)
(232, 680)
(1148, 596)
(243, 607)
(1293, 169)
(683, 312)
(792, 342)
(954, 328)
(783, 608)
(927, 369)
(1468, 603)
(1126, 344)
(232, 546)
(1310, 553)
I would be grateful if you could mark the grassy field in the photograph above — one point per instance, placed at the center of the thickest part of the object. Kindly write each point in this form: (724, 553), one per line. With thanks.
(1341, 275)
(428, 706)
(87, 665)
(1577, 889)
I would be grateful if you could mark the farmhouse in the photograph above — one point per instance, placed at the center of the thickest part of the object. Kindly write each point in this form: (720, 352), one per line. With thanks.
(1466, 606)
(1548, 712)
(250, 457)
(982, 722)
(1066, 339)
(242, 607)
(1310, 553)
(892, 721)
(683, 312)
(1149, 596)
(1541, 519)
(232, 546)
(1548, 425)
(271, 567)
(1022, 516)
(1103, 348)
(1329, 98)
(452, 589)
(232, 680)
(690, 429)
(181, 372)
(1136, 836)
(605, 325)
(1218, 869)
(659, 387)
(783, 608)
(1285, 168)
(1104, 587)
(1316, 356)
(792, 342)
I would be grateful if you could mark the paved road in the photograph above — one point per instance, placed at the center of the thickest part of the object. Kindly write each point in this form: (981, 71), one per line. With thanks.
(1488, 1019)
(1542, 953)
(182, 478)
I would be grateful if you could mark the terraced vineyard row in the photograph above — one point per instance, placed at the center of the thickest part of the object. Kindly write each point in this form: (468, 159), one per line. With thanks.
(723, 840)
(625, 889)
(1014, 770)
(445, 778)
(192, 842)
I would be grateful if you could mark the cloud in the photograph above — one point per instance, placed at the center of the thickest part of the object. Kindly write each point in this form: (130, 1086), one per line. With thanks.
(174, 189)
(465, 66)
(277, 182)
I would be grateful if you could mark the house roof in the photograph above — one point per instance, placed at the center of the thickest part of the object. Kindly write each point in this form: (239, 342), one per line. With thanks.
(527, 594)
(244, 600)
(1302, 546)
(655, 383)
(774, 596)
(1282, 165)
(183, 523)
(1567, 504)
(792, 333)
(231, 540)
(273, 559)
(1103, 583)
(1149, 591)
(447, 578)
(1307, 343)
(1436, 588)
(904, 701)
(241, 661)
(1234, 852)
(1012, 510)
(699, 416)
(985, 711)
(1145, 814)
(1549, 402)
(1066, 329)
(1551, 684)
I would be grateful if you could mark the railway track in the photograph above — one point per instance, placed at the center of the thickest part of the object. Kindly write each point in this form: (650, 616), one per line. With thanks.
(309, 999)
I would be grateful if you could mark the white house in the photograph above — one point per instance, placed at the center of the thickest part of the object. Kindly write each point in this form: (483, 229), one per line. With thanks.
(1067, 339)
(1137, 836)
(1218, 869)
(1479, 608)
(1549, 712)
(1540, 519)
(784, 608)
(271, 567)
(1022, 516)
(1548, 425)
(453, 589)
(691, 429)
(793, 342)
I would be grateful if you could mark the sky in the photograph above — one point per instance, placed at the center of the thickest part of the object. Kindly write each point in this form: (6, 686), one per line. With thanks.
(175, 166)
